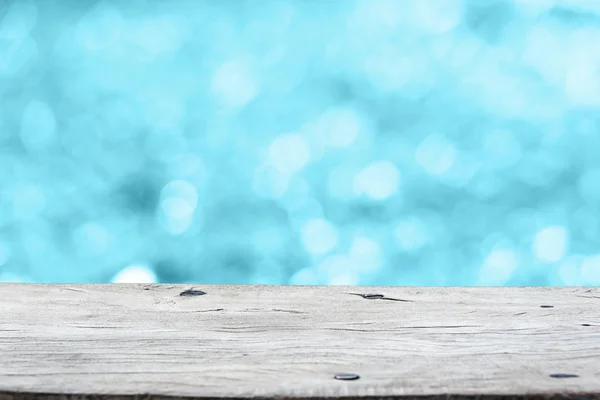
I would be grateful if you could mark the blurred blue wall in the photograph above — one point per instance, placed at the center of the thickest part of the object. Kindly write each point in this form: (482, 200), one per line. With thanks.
(387, 142)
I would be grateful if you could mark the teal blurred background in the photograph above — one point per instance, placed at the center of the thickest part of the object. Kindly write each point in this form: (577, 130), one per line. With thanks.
(385, 142)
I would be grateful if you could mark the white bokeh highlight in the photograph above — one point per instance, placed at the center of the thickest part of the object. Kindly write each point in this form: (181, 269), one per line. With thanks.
(137, 273)
(319, 236)
(289, 153)
(498, 266)
(341, 126)
(366, 254)
(550, 244)
(234, 84)
(435, 154)
(178, 202)
(378, 181)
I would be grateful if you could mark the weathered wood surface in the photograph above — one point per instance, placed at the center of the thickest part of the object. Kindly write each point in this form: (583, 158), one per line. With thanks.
(269, 341)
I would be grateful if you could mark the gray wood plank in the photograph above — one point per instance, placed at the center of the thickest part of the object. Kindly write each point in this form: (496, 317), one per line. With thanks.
(273, 341)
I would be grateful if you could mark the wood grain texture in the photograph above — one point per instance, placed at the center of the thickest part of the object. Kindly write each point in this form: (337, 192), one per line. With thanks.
(273, 341)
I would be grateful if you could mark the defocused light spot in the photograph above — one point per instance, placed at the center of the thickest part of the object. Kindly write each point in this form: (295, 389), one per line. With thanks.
(590, 270)
(439, 16)
(289, 153)
(135, 274)
(298, 189)
(390, 70)
(176, 215)
(379, 181)
(366, 254)
(28, 201)
(305, 276)
(550, 244)
(182, 190)
(543, 46)
(234, 84)
(12, 278)
(411, 234)
(498, 266)
(334, 265)
(435, 154)
(319, 236)
(344, 279)
(462, 171)
(38, 126)
(341, 126)
(583, 80)
(178, 201)
(91, 238)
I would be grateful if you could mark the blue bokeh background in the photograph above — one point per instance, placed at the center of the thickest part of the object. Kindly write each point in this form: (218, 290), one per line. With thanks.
(386, 142)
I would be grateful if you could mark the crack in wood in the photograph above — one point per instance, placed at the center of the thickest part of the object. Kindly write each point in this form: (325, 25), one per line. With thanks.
(73, 290)
(405, 327)
(249, 310)
(371, 296)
